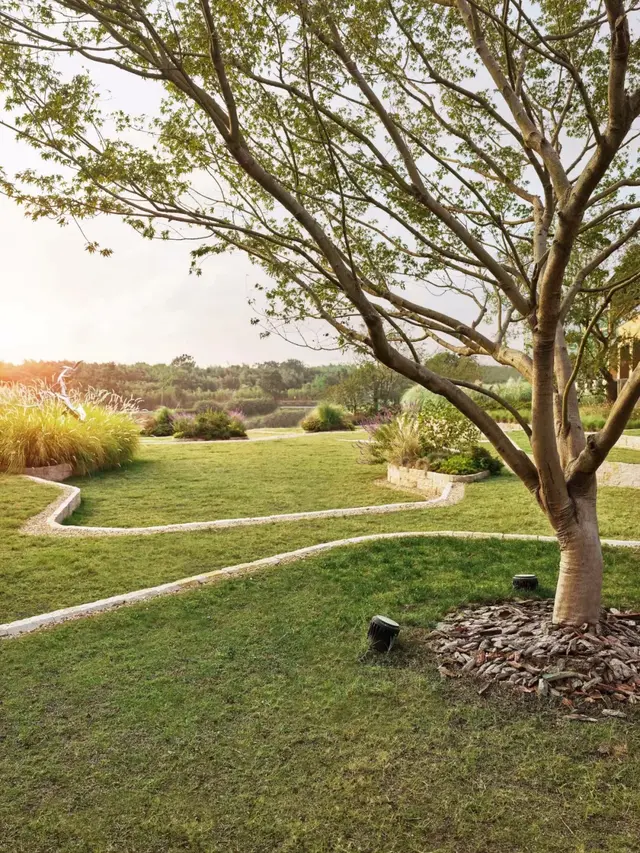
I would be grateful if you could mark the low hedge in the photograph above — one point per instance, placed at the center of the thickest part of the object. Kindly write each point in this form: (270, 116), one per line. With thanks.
(253, 407)
(474, 461)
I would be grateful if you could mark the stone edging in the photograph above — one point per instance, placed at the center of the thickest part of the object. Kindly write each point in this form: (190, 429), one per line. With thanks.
(52, 473)
(56, 617)
(48, 522)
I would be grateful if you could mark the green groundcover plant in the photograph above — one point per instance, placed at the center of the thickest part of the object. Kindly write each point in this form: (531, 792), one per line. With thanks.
(37, 429)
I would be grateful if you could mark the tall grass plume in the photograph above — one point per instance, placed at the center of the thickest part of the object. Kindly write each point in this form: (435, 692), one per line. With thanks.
(38, 429)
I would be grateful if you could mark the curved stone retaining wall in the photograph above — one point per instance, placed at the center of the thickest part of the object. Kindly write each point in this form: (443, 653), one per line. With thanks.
(428, 482)
(622, 474)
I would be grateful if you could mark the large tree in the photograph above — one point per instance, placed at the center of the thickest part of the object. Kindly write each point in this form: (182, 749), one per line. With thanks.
(371, 155)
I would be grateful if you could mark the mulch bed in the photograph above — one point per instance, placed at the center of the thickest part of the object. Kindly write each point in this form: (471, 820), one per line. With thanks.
(589, 670)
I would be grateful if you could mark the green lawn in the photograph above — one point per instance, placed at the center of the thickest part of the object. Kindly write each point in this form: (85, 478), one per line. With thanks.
(202, 482)
(241, 718)
(39, 574)
(620, 454)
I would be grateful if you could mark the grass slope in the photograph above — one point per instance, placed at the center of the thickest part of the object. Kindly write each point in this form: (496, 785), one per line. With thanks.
(241, 718)
(38, 574)
(202, 482)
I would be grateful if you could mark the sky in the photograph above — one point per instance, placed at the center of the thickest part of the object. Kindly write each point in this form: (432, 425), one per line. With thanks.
(59, 302)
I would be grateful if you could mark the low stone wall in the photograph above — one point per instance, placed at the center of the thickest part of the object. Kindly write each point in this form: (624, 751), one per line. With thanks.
(622, 474)
(630, 442)
(429, 483)
(54, 473)
(625, 475)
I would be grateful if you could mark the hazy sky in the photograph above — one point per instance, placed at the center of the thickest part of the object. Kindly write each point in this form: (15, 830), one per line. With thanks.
(141, 304)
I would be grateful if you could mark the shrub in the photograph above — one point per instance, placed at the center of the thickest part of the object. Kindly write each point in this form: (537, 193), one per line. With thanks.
(443, 427)
(474, 461)
(209, 426)
(458, 463)
(327, 418)
(37, 429)
(207, 406)
(252, 407)
(416, 397)
(485, 461)
(160, 423)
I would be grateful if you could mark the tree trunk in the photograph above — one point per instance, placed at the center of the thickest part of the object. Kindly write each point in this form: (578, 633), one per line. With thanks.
(580, 579)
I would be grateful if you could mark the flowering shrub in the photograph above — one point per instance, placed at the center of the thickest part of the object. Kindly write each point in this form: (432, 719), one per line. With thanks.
(443, 427)
(160, 423)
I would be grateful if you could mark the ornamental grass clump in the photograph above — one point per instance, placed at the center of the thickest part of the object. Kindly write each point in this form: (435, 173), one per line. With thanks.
(396, 441)
(327, 418)
(38, 429)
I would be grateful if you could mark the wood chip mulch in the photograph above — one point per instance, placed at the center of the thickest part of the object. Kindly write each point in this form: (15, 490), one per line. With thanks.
(514, 643)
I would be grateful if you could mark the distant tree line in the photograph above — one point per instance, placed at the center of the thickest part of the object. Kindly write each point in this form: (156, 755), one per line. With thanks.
(360, 388)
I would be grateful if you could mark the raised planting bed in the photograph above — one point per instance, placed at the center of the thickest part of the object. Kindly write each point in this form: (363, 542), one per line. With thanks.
(428, 482)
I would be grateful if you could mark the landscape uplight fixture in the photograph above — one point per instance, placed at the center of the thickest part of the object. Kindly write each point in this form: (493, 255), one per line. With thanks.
(382, 633)
(525, 582)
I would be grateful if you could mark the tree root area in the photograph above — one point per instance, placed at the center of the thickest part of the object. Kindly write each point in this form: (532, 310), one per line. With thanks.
(587, 669)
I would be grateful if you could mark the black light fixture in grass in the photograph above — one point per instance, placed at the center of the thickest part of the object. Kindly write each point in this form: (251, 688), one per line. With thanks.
(382, 633)
(525, 582)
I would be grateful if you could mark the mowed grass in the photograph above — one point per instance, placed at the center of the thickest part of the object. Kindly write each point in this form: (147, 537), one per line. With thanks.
(43, 573)
(231, 479)
(243, 718)
(618, 454)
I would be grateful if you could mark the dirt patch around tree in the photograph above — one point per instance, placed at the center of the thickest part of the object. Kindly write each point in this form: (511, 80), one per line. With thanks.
(590, 672)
